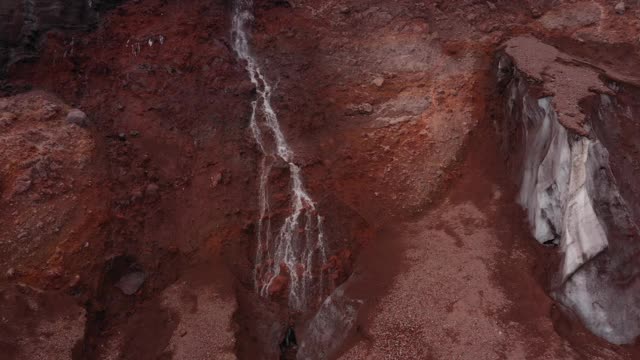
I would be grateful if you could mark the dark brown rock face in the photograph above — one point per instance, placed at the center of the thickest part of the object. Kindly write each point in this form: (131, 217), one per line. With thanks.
(22, 23)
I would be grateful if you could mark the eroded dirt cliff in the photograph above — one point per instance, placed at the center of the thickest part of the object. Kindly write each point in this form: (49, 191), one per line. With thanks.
(135, 227)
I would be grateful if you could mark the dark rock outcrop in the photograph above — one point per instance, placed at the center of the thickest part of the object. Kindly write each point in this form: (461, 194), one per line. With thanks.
(22, 23)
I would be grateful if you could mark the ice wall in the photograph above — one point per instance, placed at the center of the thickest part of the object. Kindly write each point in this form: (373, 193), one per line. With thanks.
(571, 199)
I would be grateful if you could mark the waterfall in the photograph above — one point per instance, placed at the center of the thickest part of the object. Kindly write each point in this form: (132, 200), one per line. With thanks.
(297, 250)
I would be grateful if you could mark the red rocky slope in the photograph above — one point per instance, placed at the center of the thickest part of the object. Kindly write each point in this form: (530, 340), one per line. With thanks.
(389, 107)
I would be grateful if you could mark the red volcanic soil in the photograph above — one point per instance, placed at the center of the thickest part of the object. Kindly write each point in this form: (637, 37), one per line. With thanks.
(135, 232)
(172, 166)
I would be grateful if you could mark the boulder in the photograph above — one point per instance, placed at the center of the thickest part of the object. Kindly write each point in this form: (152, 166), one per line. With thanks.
(77, 116)
(361, 109)
(130, 283)
(378, 81)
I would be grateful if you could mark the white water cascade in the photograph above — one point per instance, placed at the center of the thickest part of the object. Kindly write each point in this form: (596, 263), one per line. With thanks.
(297, 250)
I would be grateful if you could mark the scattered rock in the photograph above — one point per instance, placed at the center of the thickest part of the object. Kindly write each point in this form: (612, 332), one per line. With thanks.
(22, 184)
(7, 118)
(50, 110)
(621, 8)
(378, 81)
(122, 136)
(361, 109)
(216, 180)
(74, 281)
(278, 285)
(134, 133)
(406, 106)
(131, 282)
(11, 273)
(77, 116)
(536, 13)
(136, 195)
(151, 190)
(54, 272)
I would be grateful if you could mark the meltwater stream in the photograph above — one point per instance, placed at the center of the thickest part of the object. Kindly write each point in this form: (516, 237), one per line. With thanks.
(297, 250)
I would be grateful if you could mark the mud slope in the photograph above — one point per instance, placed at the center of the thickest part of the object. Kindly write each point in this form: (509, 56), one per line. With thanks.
(140, 140)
